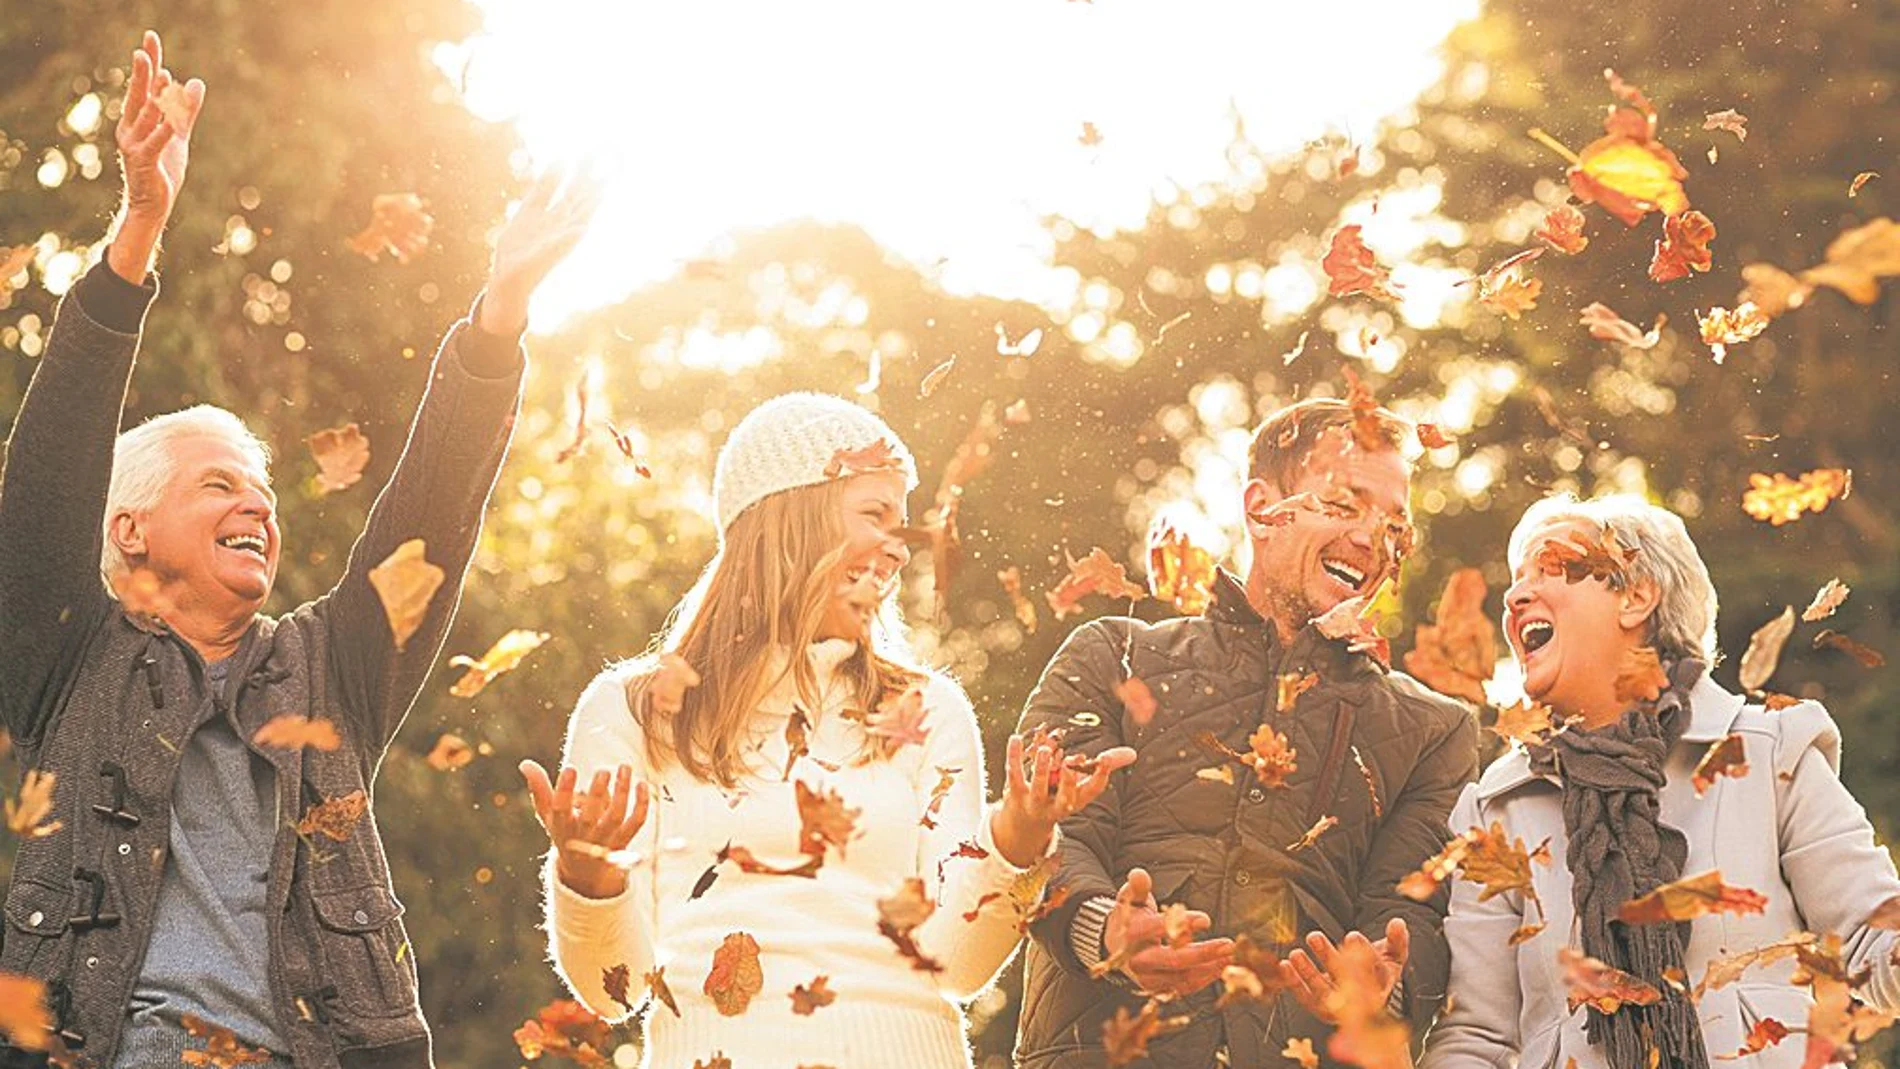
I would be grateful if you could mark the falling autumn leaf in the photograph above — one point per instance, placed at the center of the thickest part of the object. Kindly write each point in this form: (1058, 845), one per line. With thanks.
(1288, 686)
(222, 1049)
(1510, 294)
(900, 718)
(656, 983)
(935, 379)
(335, 818)
(946, 779)
(808, 998)
(1431, 436)
(878, 456)
(1562, 230)
(504, 656)
(900, 914)
(1725, 757)
(1689, 898)
(25, 1019)
(404, 582)
(1826, 600)
(1351, 268)
(1126, 1035)
(1627, 172)
(1640, 677)
(1857, 259)
(342, 453)
(1097, 573)
(1300, 1050)
(1684, 247)
(1763, 655)
(1861, 179)
(1608, 326)
(1352, 622)
(1727, 119)
(736, 974)
(450, 752)
(1722, 328)
(616, 981)
(13, 260)
(1137, 699)
(566, 1029)
(1726, 970)
(1090, 137)
(27, 815)
(1589, 982)
(1312, 834)
(294, 731)
(717, 1061)
(1526, 723)
(1866, 655)
(1179, 572)
(1766, 1033)
(1580, 555)
(1026, 346)
(1779, 500)
(1773, 291)
(1455, 654)
(797, 740)
(399, 224)
(824, 820)
(1367, 1035)
(1012, 580)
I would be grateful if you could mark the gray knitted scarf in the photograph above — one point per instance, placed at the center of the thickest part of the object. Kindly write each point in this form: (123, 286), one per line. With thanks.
(1620, 849)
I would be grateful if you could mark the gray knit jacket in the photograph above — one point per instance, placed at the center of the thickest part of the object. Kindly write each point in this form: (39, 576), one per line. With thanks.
(105, 701)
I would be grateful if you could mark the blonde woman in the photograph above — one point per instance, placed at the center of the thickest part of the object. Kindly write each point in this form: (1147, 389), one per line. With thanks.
(782, 782)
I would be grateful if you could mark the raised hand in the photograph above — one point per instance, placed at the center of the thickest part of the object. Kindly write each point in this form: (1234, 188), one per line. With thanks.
(1045, 790)
(1159, 961)
(587, 830)
(154, 141)
(1312, 973)
(542, 232)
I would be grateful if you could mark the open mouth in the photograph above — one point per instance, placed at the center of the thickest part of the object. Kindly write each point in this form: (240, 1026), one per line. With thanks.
(1534, 635)
(245, 543)
(885, 581)
(1349, 576)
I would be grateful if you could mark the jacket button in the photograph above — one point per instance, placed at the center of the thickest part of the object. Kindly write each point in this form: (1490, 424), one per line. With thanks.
(124, 849)
(1255, 794)
(1243, 878)
(361, 917)
(36, 918)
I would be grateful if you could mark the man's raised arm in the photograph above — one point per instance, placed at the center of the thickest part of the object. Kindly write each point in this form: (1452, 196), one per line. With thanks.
(59, 457)
(442, 483)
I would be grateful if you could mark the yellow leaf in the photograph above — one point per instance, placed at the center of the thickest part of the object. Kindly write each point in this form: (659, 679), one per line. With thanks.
(503, 656)
(404, 582)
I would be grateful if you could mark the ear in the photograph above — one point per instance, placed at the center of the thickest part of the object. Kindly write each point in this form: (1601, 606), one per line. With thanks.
(1256, 499)
(127, 532)
(1637, 603)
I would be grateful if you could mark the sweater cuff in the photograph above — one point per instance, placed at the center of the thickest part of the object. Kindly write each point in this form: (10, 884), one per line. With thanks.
(579, 917)
(1085, 933)
(111, 301)
(485, 355)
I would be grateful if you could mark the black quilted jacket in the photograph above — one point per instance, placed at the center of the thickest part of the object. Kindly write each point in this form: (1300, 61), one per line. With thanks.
(1374, 748)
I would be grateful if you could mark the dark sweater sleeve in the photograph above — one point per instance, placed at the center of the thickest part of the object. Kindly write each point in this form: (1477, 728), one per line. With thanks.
(437, 494)
(1080, 679)
(53, 494)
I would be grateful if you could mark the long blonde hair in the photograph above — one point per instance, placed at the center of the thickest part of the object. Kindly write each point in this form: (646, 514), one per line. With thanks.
(764, 593)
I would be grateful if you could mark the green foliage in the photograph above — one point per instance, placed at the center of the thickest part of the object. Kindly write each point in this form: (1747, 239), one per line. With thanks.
(310, 115)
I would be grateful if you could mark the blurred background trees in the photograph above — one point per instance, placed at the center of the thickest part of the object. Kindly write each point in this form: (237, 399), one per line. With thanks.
(1139, 397)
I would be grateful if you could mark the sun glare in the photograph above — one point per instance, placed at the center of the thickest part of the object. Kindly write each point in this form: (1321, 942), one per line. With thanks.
(947, 131)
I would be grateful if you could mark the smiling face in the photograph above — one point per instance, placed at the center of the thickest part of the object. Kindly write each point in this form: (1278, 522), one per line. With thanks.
(873, 515)
(212, 539)
(1346, 517)
(1569, 639)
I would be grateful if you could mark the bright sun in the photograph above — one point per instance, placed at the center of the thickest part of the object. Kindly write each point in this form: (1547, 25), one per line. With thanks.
(946, 130)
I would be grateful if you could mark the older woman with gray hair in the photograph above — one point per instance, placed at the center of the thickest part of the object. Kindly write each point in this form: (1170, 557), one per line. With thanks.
(1598, 587)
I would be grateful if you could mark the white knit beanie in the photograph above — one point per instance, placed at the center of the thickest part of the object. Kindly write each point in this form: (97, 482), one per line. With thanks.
(789, 442)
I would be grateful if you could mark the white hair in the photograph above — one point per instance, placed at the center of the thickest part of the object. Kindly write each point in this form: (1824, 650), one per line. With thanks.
(143, 463)
(1683, 624)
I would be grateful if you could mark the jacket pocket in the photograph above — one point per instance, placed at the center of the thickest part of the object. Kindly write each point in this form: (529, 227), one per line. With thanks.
(37, 916)
(365, 952)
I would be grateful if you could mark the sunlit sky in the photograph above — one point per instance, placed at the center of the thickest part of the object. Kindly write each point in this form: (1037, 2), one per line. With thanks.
(946, 130)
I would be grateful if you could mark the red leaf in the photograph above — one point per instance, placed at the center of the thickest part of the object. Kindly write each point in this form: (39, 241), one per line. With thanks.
(1351, 268)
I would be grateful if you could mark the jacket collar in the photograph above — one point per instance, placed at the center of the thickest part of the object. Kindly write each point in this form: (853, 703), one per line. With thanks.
(1309, 651)
(1712, 712)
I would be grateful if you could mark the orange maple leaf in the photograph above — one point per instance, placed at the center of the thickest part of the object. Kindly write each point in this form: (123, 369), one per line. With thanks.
(736, 974)
(341, 453)
(1351, 268)
(1456, 653)
(1689, 898)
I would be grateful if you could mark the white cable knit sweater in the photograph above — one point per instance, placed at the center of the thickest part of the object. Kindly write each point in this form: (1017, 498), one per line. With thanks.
(887, 1014)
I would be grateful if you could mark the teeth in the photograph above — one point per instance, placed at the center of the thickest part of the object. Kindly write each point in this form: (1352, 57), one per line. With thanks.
(248, 542)
(1535, 634)
(1344, 572)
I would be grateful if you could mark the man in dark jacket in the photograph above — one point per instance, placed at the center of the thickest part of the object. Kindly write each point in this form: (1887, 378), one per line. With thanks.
(177, 884)
(1231, 839)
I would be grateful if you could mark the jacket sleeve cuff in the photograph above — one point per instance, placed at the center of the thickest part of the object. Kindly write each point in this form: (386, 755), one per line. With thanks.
(1086, 932)
(485, 355)
(111, 301)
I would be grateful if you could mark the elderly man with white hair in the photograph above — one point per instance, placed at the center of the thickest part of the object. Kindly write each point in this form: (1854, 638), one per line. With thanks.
(1606, 593)
(175, 886)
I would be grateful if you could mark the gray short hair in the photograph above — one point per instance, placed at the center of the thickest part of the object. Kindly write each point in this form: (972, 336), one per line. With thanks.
(1683, 624)
(142, 464)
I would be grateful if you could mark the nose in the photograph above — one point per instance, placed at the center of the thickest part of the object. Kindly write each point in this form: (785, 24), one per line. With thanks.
(256, 503)
(897, 549)
(1517, 595)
